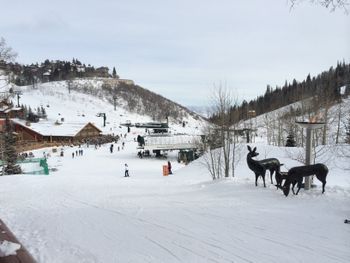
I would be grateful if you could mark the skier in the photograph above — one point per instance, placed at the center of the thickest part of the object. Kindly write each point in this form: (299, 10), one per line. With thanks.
(126, 170)
(111, 148)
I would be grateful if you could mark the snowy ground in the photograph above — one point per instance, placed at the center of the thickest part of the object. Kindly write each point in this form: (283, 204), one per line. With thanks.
(87, 211)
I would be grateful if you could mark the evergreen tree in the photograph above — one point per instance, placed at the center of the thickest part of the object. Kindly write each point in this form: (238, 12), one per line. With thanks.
(9, 151)
(29, 112)
(43, 112)
(25, 112)
(114, 74)
(290, 139)
(32, 117)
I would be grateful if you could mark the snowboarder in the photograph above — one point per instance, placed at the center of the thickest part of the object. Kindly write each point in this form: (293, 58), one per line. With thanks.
(126, 170)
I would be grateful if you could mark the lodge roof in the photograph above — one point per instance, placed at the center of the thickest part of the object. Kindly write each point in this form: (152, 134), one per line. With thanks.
(49, 128)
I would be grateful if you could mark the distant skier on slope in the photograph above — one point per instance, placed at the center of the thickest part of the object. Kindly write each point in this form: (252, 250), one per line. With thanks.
(126, 170)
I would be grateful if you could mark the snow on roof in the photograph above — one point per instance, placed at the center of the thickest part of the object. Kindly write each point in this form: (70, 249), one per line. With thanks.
(10, 109)
(174, 139)
(49, 128)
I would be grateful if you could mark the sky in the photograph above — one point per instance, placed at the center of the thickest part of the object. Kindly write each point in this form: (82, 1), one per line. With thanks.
(181, 49)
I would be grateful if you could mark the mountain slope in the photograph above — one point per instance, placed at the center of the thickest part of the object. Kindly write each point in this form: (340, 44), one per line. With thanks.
(275, 126)
(87, 97)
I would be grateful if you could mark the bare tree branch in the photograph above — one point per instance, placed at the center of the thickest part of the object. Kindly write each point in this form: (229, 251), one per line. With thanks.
(6, 53)
(330, 4)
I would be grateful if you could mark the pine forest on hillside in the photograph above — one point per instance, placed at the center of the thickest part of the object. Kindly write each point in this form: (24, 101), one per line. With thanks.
(326, 86)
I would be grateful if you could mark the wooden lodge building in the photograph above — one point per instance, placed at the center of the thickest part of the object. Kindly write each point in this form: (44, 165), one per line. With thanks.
(53, 132)
(8, 110)
(45, 134)
(33, 135)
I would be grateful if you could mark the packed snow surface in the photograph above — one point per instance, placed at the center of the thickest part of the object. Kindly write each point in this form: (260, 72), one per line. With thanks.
(87, 211)
(8, 248)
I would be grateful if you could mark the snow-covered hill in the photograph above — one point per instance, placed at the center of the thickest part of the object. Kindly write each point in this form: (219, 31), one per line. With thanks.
(78, 106)
(275, 126)
(87, 211)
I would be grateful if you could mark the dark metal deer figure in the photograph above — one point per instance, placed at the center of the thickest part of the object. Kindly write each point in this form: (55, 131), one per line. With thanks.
(260, 167)
(296, 175)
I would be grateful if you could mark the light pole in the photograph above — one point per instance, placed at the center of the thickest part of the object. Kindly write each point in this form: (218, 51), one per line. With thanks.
(103, 115)
(251, 115)
(310, 126)
(115, 101)
(18, 93)
(34, 80)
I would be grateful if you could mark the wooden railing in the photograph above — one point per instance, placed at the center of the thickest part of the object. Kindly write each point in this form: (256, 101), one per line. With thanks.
(22, 255)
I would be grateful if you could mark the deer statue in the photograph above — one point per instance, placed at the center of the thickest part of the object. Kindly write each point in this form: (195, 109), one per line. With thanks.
(260, 167)
(296, 175)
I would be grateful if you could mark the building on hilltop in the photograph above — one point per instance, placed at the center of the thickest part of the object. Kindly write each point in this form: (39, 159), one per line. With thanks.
(102, 72)
(46, 76)
(115, 82)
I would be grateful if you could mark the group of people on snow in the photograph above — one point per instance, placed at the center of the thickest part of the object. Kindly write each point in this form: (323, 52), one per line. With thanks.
(111, 149)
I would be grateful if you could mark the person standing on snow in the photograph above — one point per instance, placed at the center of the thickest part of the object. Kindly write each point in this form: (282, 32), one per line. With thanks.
(126, 170)
(169, 168)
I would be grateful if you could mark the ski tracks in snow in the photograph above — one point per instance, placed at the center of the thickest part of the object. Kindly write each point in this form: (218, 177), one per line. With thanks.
(179, 244)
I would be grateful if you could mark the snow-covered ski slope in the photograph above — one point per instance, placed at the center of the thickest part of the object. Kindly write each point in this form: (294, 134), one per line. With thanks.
(86, 211)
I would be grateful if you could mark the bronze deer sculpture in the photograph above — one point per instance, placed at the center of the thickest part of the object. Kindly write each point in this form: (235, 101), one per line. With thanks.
(260, 167)
(296, 175)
